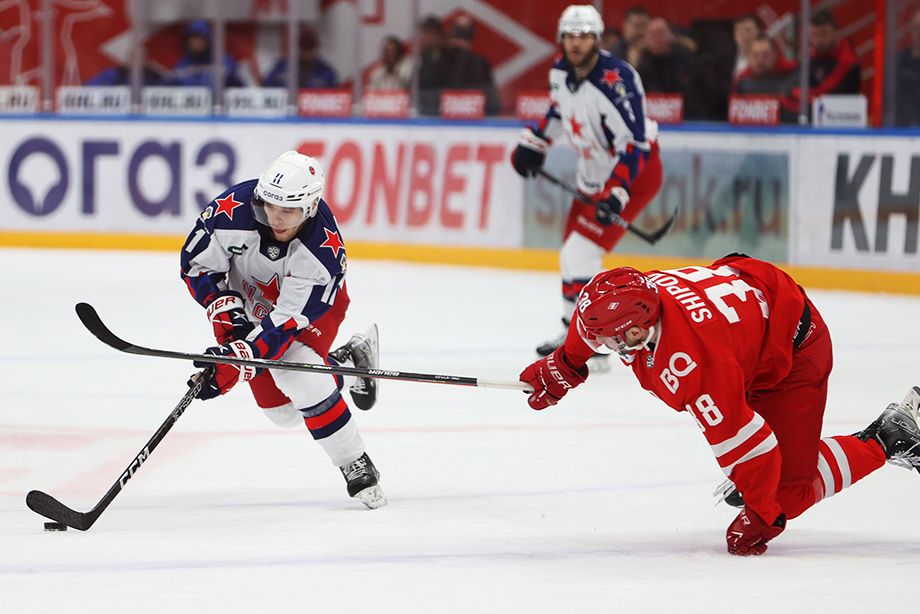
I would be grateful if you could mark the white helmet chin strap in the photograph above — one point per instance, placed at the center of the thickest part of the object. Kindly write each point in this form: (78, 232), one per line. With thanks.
(624, 350)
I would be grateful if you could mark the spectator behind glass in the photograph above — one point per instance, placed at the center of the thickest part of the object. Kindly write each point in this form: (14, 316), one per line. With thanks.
(432, 66)
(834, 68)
(635, 24)
(765, 74)
(746, 28)
(907, 76)
(466, 69)
(121, 75)
(312, 70)
(612, 40)
(670, 68)
(194, 67)
(394, 70)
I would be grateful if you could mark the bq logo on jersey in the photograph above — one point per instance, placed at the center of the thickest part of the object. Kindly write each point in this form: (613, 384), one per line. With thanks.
(679, 365)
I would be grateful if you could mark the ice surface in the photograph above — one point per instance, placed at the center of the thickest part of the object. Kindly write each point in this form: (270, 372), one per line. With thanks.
(601, 504)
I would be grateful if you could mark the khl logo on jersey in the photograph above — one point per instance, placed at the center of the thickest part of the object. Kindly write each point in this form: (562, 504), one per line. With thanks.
(273, 252)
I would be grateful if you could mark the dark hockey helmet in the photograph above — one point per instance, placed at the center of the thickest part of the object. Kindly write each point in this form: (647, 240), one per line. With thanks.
(613, 302)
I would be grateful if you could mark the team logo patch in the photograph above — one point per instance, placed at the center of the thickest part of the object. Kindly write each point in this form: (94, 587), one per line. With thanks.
(226, 206)
(612, 306)
(270, 289)
(576, 126)
(273, 252)
(333, 242)
(611, 77)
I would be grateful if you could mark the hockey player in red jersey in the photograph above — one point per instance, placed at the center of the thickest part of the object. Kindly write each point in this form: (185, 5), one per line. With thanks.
(267, 262)
(597, 102)
(740, 346)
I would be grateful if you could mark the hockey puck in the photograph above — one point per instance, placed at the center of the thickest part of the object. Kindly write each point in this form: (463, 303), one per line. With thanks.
(55, 526)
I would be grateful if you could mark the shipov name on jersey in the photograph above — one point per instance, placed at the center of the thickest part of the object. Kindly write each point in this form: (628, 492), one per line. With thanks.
(688, 298)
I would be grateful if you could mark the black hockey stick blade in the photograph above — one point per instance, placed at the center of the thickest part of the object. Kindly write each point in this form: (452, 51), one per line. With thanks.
(49, 507)
(93, 323)
(648, 237)
(654, 237)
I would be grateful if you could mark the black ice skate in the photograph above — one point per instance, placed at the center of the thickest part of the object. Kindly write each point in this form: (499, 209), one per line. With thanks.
(363, 352)
(728, 493)
(599, 363)
(897, 431)
(548, 347)
(362, 479)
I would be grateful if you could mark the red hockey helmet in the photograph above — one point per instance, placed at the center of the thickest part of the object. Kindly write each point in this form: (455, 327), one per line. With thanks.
(614, 301)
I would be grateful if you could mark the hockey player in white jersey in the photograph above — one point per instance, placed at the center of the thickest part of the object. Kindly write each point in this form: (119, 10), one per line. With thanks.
(267, 262)
(597, 101)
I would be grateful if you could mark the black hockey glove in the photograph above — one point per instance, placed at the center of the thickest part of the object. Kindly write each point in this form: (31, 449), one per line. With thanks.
(610, 204)
(527, 158)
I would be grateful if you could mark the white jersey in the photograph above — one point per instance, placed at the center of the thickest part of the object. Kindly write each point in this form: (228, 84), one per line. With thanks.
(285, 285)
(605, 119)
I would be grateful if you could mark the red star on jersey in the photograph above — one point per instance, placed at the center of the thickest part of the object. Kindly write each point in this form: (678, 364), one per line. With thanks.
(611, 76)
(332, 241)
(270, 289)
(576, 127)
(227, 205)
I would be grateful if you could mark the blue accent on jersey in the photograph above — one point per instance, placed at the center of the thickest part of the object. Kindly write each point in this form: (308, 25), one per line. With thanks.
(284, 288)
(313, 236)
(606, 110)
(601, 76)
(204, 287)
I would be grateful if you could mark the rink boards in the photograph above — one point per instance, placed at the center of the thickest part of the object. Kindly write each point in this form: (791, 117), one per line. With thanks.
(841, 208)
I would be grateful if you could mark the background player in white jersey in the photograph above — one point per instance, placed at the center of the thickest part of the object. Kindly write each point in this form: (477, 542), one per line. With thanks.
(598, 102)
(267, 262)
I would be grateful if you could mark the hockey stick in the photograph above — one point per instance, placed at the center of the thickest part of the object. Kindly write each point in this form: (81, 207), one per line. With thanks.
(49, 507)
(94, 324)
(649, 237)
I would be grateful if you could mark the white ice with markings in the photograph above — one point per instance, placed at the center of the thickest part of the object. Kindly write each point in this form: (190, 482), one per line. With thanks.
(601, 504)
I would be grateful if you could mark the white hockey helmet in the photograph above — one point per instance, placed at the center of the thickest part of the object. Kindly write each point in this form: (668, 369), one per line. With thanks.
(291, 180)
(580, 19)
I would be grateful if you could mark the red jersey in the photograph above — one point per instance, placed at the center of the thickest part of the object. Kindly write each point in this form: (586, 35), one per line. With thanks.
(725, 330)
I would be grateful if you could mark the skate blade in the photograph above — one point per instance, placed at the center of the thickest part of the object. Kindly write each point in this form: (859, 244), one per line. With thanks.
(911, 403)
(372, 497)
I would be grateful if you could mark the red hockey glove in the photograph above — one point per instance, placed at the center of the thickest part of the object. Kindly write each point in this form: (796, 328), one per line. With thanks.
(527, 158)
(609, 204)
(228, 317)
(551, 378)
(225, 377)
(749, 533)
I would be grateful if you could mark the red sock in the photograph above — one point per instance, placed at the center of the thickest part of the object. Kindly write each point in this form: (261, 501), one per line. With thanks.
(842, 461)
